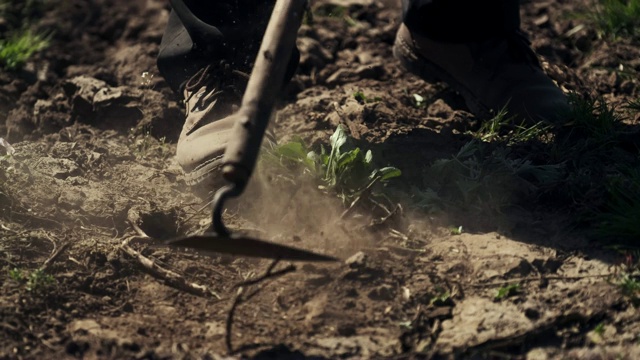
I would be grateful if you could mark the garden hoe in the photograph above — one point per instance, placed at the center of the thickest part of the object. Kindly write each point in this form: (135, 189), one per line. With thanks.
(251, 122)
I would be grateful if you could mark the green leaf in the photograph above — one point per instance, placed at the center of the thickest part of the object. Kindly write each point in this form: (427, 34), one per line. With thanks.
(348, 158)
(385, 173)
(338, 139)
(292, 151)
(368, 157)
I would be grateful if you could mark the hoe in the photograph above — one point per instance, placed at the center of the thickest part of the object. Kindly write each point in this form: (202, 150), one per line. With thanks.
(251, 122)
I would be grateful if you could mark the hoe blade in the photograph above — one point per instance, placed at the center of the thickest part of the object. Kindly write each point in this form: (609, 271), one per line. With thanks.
(245, 246)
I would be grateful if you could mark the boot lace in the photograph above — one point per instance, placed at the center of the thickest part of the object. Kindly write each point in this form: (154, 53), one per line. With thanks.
(224, 86)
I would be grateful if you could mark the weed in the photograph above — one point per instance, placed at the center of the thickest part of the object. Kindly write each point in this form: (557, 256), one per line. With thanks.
(592, 118)
(16, 275)
(630, 287)
(427, 200)
(486, 177)
(17, 49)
(507, 291)
(503, 128)
(335, 11)
(363, 99)
(618, 217)
(39, 280)
(442, 298)
(36, 281)
(455, 230)
(616, 17)
(346, 170)
(599, 329)
(633, 105)
(145, 145)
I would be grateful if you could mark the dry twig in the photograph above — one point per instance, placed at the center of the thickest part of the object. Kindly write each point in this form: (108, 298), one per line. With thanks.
(169, 277)
(242, 298)
(538, 278)
(57, 251)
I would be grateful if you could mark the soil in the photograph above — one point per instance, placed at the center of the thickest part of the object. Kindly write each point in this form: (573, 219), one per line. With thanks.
(94, 128)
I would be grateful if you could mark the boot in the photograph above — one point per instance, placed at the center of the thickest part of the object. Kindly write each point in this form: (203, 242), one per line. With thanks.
(211, 74)
(491, 74)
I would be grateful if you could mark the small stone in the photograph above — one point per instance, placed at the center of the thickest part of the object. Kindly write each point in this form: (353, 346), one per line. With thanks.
(358, 260)
(382, 293)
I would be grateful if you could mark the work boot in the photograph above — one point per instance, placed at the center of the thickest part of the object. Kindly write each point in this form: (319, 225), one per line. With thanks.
(490, 74)
(209, 65)
(211, 96)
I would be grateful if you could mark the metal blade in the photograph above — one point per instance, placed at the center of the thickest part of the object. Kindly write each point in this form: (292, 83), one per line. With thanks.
(245, 246)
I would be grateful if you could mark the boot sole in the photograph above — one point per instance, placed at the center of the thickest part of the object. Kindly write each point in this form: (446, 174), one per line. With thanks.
(206, 178)
(404, 52)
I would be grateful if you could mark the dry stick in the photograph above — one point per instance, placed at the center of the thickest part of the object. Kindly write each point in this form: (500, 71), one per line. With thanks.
(239, 299)
(167, 276)
(363, 194)
(534, 278)
(57, 251)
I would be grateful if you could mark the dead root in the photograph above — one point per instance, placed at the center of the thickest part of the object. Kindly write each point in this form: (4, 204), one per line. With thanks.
(242, 296)
(168, 277)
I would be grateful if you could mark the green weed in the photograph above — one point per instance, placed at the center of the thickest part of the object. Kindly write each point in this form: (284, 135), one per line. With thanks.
(629, 285)
(35, 281)
(18, 48)
(363, 99)
(503, 128)
(487, 177)
(455, 230)
(616, 17)
(442, 298)
(16, 275)
(592, 118)
(633, 105)
(345, 170)
(335, 11)
(627, 274)
(618, 217)
(507, 291)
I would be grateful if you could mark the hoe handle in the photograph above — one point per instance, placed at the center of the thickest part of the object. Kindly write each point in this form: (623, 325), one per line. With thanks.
(265, 83)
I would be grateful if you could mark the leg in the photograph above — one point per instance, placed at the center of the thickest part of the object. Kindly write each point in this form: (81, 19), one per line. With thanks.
(478, 49)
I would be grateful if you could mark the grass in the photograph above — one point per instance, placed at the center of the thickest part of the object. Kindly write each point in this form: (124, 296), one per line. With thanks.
(577, 167)
(633, 105)
(616, 18)
(485, 177)
(504, 128)
(592, 118)
(20, 41)
(145, 145)
(334, 11)
(507, 291)
(18, 48)
(617, 218)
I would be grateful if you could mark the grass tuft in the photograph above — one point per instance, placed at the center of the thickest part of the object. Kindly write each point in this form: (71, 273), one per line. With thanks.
(616, 17)
(18, 48)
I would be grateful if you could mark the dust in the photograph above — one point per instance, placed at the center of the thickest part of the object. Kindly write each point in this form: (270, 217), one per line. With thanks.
(293, 210)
